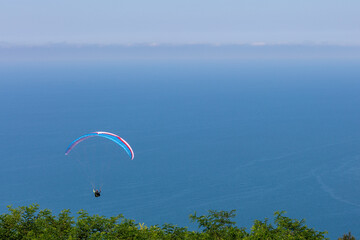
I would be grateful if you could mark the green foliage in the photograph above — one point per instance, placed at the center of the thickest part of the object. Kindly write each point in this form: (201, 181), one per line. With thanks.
(347, 237)
(174, 232)
(218, 225)
(285, 228)
(32, 223)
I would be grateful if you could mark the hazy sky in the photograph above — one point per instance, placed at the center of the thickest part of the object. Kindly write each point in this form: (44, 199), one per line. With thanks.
(176, 22)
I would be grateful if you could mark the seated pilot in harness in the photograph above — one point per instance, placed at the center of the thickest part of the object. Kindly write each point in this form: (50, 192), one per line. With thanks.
(96, 192)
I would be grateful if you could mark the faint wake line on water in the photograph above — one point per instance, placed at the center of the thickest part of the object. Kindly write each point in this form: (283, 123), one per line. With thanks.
(347, 164)
(294, 153)
(330, 191)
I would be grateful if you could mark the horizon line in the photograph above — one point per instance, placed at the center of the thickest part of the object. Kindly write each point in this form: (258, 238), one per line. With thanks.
(4, 44)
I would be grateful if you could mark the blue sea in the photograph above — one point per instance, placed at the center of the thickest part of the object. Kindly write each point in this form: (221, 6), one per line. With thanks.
(256, 136)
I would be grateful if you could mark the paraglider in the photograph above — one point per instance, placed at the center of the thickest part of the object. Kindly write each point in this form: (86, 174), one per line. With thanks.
(97, 192)
(111, 136)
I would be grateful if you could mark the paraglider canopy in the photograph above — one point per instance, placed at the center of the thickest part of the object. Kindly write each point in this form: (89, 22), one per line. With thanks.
(111, 136)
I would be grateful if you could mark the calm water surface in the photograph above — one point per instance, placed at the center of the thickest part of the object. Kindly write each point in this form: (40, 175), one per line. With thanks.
(256, 136)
